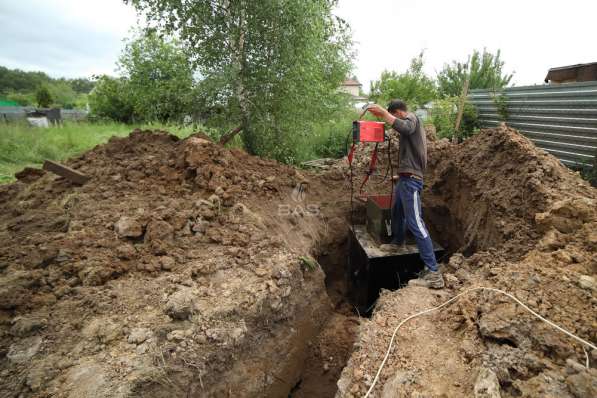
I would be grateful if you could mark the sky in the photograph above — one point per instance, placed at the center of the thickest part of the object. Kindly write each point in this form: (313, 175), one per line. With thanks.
(78, 38)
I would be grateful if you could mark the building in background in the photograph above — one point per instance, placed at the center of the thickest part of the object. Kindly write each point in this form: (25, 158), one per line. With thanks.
(352, 87)
(572, 73)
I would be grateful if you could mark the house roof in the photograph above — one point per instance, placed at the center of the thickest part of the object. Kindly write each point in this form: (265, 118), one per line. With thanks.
(578, 72)
(351, 82)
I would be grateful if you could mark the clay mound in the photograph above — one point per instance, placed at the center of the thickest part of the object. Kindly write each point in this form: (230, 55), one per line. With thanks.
(146, 187)
(171, 267)
(491, 187)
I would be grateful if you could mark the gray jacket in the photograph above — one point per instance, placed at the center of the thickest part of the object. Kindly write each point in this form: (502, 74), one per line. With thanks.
(413, 145)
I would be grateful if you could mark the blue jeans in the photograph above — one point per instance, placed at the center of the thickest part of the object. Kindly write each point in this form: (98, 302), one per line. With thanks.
(406, 213)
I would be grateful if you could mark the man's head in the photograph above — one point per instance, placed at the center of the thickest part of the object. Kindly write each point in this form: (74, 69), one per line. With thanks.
(397, 108)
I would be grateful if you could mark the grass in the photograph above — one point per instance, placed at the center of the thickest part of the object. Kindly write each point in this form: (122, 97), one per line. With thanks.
(327, 138)
(22, 146)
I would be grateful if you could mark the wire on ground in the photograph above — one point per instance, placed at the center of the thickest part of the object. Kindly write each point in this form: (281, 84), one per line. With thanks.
(550, 323)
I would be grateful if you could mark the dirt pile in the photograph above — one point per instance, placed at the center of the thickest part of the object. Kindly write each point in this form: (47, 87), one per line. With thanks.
(182, 269)
(514, 219)
(493, 185)
(175, 271)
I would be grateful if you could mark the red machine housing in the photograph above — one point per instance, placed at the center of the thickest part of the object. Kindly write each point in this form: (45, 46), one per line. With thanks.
(366, 131)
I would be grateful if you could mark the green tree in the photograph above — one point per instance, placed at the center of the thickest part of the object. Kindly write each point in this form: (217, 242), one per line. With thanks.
(81, 85)
(443, 116)
(413, 86)
(16, 80)
(62, 93)
(21, 98)
(111, 99)
(43, 96)
(273, 67)
(23, 86)
(159, 78)
(486, 71)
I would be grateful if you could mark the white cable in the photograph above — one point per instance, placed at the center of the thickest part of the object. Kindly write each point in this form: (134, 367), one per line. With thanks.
(561, 329)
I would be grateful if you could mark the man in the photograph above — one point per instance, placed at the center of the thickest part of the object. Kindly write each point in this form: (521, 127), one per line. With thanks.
(406, 209)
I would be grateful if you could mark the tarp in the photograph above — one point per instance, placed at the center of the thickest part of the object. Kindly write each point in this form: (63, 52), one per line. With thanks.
(8, 103)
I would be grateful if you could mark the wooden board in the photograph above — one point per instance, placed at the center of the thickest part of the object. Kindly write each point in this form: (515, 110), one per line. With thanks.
(64, 171)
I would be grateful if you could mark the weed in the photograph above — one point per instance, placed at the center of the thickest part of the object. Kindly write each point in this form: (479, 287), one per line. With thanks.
(501, 103)
(309, 263)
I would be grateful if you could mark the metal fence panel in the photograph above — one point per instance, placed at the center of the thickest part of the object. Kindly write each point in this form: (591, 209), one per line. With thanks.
(561, 119)
(15, 113)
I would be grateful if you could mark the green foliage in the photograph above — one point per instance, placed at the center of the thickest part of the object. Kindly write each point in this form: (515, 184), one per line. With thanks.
(273, 68)
(22, 87)
(444, 113)
(111, 100)
(43, 97)
(23, 99)
(327, 139)
(22, 145)
(501, 103)
(486, 71)
(309, 263)
(158, 76)
(156, 83)
(413, 86)
(587, 171)
(16, 80)
(63, 94)
(81, 85)
(590, 174)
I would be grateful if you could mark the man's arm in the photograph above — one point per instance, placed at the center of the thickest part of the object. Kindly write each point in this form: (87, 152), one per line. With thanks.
(380, 112)
(403, 126)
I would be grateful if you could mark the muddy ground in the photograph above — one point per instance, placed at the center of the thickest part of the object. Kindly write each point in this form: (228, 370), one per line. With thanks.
(186, 269)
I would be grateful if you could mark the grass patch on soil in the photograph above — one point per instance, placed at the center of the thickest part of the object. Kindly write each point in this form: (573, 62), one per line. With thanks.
(22, 145)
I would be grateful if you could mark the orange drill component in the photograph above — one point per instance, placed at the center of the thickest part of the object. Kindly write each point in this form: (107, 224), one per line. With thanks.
(367, 131)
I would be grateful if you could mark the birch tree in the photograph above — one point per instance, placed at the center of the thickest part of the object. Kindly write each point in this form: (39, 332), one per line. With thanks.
(273, 65)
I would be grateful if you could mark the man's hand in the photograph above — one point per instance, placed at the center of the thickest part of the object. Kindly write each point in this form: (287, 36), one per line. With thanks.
(380, 112)
(376, 110)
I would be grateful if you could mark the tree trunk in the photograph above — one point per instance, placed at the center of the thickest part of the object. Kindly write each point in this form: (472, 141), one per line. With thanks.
(461, 108)
(241, 90)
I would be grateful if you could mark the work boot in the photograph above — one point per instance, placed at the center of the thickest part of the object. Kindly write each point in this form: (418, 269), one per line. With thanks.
(430, 279)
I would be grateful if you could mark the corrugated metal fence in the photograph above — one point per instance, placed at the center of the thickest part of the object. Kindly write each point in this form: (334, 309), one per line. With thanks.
(561, 119)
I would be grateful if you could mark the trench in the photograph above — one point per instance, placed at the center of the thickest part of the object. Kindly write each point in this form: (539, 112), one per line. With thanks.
(330, 351)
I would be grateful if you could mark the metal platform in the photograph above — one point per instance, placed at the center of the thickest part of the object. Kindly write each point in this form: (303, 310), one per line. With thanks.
(375, 250)
(373, 266)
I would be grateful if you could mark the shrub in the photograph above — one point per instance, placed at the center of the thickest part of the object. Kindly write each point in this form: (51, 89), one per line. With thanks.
(443, 117)
(43, 97)
(110, 100)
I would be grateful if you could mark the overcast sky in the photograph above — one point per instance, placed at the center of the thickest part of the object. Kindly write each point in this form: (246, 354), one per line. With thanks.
(75, 38)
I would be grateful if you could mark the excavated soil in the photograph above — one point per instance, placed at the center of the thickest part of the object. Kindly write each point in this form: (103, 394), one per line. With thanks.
(178, 270)
(513, 218)
(186, 269)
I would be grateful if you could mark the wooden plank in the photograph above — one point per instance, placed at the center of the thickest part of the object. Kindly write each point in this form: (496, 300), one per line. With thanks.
(230, 135)
(64, 171)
